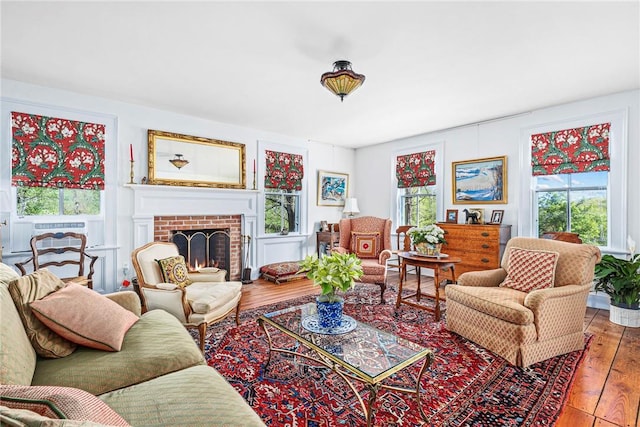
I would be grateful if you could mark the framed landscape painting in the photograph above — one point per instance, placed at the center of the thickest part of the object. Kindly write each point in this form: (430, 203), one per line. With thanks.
(333, 188)
(480, 181)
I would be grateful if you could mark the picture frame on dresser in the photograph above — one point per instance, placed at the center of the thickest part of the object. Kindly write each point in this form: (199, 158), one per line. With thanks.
(452, 216)
(496, 216)
(480, 181)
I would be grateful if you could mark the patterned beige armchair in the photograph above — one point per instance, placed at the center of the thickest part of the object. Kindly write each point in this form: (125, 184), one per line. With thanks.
(525, 327)
(206, 300)
(370, 239)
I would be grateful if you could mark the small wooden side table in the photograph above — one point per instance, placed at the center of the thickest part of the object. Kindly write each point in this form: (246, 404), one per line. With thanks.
(437, 264)
(330, 238)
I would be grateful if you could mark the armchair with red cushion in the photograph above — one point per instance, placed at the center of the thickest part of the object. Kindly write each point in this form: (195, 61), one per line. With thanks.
(370, 239)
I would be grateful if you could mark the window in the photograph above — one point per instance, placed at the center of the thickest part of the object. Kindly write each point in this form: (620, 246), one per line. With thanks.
(418, 205)
(282, 211)
(575, 202)
(57, 165)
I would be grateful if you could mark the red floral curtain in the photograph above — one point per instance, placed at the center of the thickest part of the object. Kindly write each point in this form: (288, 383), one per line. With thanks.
(284, 171)
(57, 153)
(416, 170)
(584, 149)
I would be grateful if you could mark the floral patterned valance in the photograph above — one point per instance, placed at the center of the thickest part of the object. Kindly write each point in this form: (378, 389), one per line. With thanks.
(284, 171)
(416, 170)
(58, 153)
(584, 149)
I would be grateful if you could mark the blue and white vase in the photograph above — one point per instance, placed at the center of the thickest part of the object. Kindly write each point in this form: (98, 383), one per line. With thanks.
(329, 313)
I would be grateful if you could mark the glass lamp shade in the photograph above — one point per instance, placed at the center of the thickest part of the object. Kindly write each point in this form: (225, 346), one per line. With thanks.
(351, 206)
(342, 80)
(179, 162)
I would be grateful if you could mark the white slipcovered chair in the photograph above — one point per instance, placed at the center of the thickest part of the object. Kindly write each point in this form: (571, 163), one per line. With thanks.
(208, 299)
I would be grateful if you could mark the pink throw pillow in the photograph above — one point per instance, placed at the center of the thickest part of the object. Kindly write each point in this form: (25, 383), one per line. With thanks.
(85, 317)
(530, 269)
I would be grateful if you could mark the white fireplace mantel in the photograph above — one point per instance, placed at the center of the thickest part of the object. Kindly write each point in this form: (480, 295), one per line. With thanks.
(155, 200)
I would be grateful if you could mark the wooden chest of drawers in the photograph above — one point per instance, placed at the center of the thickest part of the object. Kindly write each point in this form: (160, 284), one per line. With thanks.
(479, 246)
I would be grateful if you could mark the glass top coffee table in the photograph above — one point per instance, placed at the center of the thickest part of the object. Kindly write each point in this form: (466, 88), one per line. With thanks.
(366, 353)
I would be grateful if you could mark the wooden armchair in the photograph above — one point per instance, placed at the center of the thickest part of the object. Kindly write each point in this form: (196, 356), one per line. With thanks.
(43, 246)
(526, 323)
(370, 239)
(206, 300)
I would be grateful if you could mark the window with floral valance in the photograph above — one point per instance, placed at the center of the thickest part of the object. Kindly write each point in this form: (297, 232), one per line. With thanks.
(583, 149)
(284, 171)
(416, 169)
(56, 153)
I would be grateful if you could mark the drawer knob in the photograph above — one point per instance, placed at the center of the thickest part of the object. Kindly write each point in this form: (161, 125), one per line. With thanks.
(485, 246)
(485, 260)
(485, 234)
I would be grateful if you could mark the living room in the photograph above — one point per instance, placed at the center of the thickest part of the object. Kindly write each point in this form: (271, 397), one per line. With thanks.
(481, 119)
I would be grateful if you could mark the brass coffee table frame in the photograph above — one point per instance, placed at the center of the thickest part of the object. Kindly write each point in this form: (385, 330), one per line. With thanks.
(347, 371)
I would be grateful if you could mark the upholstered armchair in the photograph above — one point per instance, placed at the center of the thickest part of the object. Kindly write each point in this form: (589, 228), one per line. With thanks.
(370, 239)
(202, 300)
(498, 309)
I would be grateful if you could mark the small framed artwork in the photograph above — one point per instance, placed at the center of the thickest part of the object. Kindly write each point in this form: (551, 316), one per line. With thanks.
(452, 216)
(473, 216)
(480, 181)
(496, 216)
(333, 188)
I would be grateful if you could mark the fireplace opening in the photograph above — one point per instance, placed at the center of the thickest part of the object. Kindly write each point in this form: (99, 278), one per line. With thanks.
(204, 248)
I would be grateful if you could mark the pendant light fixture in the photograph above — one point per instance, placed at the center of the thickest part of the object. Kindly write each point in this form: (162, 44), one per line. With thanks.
(342, 80)
(179, 162)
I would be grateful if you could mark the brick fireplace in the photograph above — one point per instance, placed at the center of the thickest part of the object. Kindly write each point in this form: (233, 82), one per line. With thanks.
(164, 228)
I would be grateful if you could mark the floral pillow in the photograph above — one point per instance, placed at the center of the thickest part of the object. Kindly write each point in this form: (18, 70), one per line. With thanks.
(174, 270)
(530, 269)
(365, 245)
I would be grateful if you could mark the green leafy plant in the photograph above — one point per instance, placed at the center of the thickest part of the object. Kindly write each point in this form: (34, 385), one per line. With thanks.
(428, 234)
(335, 272)
(620, 278)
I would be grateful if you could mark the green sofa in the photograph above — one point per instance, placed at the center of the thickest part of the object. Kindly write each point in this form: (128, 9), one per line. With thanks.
(158, 378)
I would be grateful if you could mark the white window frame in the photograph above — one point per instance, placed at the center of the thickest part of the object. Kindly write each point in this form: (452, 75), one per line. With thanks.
(396, 206)
(260, 171)
(617, 187)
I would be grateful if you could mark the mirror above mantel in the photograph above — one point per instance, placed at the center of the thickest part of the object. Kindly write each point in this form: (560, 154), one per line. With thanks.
(192, 161)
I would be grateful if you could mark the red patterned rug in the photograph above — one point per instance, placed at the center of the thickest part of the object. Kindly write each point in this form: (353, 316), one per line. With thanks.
(465, 386)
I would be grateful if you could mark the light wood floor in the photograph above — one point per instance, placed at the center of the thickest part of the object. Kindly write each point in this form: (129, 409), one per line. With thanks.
(606, 391)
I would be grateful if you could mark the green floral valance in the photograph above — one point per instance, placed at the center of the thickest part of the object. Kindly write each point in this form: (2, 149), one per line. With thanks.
(416, 170)
(58, 153)
(284, 171)
(584, 149)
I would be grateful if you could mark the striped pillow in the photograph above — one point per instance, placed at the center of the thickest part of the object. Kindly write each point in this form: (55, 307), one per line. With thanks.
(529, 270)
(59, 403)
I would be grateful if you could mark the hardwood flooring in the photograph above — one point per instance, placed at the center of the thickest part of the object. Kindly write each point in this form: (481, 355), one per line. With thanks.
(606, 391)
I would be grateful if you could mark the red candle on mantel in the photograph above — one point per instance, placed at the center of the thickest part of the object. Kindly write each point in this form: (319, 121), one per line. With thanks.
(254, 165)
(131, 152)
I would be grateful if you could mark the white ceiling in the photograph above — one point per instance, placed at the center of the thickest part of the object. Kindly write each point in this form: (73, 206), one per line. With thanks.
(428, 65)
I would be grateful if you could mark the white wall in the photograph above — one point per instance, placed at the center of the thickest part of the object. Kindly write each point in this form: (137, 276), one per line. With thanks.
(498, 138)
(133, 121)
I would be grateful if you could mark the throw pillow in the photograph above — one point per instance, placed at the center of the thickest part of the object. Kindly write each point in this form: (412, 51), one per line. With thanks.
(365, 245)
(174, 270)
(59, 403)
(85, 317)
(27, 289)
(530, 269)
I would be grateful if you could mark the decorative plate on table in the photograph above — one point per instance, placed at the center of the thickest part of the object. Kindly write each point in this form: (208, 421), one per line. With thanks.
(312, 324)
(414, 253)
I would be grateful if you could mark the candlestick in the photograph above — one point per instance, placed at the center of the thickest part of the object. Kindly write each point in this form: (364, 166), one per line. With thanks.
(254, 179)
(131, 173)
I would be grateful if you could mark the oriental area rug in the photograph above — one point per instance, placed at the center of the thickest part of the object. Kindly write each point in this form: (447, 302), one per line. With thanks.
(466, 385)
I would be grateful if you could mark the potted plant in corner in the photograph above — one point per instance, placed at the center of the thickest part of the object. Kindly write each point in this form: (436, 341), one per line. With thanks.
(333, 273)
(620, 279)
(427, 240)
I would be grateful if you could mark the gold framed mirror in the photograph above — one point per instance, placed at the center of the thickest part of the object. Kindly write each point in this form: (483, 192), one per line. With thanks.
(192, 161)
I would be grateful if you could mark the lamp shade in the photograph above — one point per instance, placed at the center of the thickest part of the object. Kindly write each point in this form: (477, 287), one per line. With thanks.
(342, 80)
(351, 206)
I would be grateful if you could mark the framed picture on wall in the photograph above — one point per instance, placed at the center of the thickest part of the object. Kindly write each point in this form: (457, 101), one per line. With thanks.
(496, 216)
(452, 216)
(333, 188)
(480, 181)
